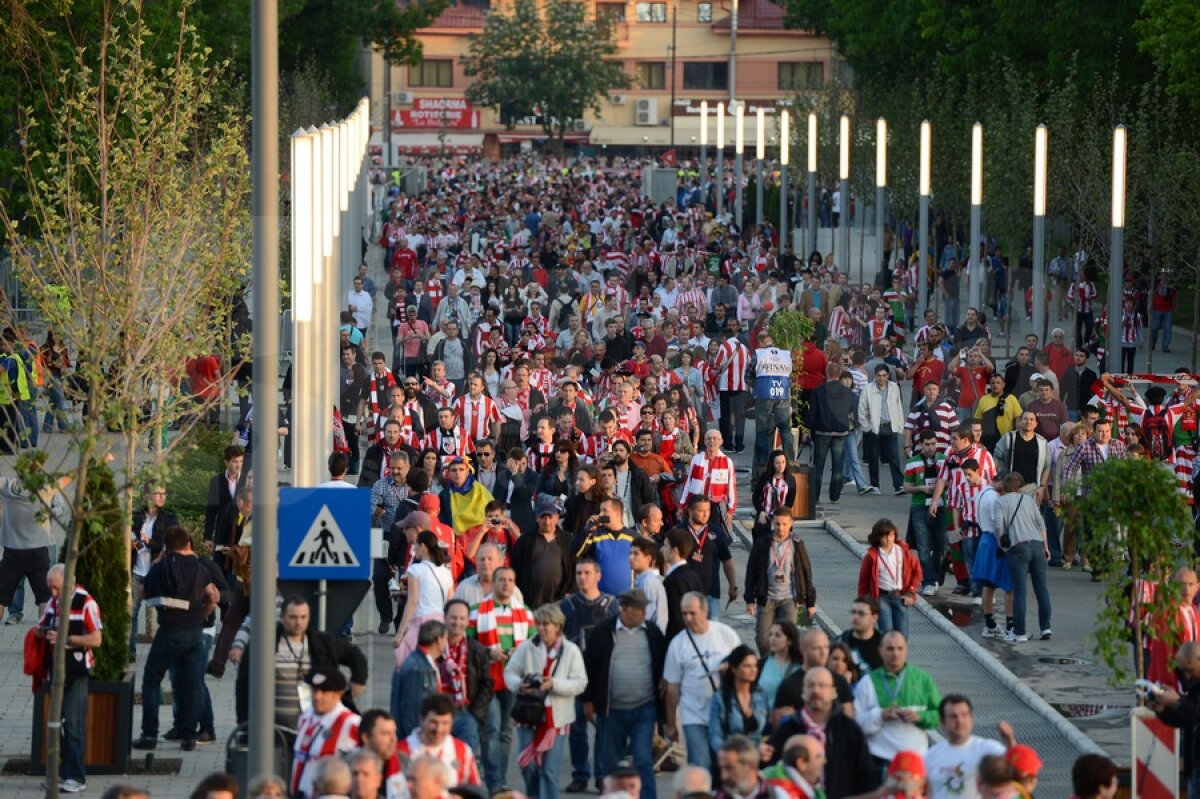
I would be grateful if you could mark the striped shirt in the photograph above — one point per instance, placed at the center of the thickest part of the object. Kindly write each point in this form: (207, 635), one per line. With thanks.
(731, 361)
(941, 420)
(475, 417)
(959, 493)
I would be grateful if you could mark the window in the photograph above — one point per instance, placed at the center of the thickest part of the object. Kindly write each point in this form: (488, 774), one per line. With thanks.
(432, 74)
(801, 75)
(652, 75)
(614, 11)
(651, 12)
(706, 75)
(704, 12)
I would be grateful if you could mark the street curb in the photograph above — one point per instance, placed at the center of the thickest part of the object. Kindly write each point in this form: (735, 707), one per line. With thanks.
(977, 653)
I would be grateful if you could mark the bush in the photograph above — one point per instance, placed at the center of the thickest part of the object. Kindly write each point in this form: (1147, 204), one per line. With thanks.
(101, 569)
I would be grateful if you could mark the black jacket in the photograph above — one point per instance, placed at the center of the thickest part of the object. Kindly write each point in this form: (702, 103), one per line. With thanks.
(520, 505)
(597, 658)
(641, 490)
(757, 587)
(371, 469)
(165, 521)
(479, 679)
(758, 496)
(676, 584)
(523, 558)
(848, 766)
(1076, 389)
(831, 409)
(324, 650)
(1185, 715)
(219, 502)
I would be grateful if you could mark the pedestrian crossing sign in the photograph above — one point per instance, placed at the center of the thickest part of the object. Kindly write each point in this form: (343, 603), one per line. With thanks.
(324, 534)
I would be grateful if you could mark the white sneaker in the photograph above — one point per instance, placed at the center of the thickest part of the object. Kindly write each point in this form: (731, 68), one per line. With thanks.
(1013, 638)
(874, 490)
(977, 601)
(1047, 635)
(929, 590)
(993, 632)
(71, 786)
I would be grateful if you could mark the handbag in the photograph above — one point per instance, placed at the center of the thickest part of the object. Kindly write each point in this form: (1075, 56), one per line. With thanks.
(529, 709)
(1005, 538)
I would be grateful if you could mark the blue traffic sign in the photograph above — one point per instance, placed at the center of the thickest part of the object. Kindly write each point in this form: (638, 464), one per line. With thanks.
(324, 534)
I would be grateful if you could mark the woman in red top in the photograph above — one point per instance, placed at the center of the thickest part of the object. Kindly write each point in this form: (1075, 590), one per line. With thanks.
(972, 377)
(891, 575)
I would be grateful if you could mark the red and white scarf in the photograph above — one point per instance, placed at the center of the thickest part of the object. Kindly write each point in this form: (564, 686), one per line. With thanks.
(712, 478)
(775, 497)
(487, 630)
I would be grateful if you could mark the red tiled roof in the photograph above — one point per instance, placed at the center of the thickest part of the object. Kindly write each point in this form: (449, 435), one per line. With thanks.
(755, 15)
(460, 16)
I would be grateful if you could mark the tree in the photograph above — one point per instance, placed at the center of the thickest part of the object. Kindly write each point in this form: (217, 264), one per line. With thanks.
(548, 61)
(138, 210)
(1169, 32)
(1136, 519)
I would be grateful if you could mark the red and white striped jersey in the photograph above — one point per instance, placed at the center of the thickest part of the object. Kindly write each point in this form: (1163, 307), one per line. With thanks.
(841, 325)
(617, 260)
(539, 322)
(540, 454)
(454, 753)
(1131, 328)
(435, 289)
(84, 611)
(598, 444)
(621, 295)
(959, 493)
(665, 380)
(475, 416)
(694, 296)
(544, 381)
(334, 733)
(1111, 409)
(1082, 294)
(730, 367)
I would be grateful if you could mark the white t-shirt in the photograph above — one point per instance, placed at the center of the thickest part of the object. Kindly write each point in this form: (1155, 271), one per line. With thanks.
(951, 769)
(435, 585)
(686, 669)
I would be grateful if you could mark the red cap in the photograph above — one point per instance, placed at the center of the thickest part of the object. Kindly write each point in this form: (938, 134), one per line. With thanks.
(1024, 760)
(911, 762)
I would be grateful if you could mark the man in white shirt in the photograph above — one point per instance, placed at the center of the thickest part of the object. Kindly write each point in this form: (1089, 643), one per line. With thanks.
(692, 673)
(360, 304)
(951, 764)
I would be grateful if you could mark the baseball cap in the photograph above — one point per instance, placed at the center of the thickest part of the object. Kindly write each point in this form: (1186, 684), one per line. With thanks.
(547, 509)
(907, 761)
(624, 768)
(1024, 760)
(326, 678)
(418, 519)
(633, 598)
(429, 503)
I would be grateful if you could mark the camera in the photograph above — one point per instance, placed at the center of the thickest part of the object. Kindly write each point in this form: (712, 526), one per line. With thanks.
(1147, 689)
(532, 681)
(602, 519)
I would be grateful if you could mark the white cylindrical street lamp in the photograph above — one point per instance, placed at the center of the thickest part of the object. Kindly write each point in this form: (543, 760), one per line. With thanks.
(1116, 269)
(842, 248)
(760, 154)
(739, 149)
(812, 185)
(973, 249)
(923, 222)
(881, 133)
(1039, 232)
(784, 146)
(720, 181)
(704, 147)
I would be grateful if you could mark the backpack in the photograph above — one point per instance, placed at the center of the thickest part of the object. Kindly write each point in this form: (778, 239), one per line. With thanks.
(1156, 430)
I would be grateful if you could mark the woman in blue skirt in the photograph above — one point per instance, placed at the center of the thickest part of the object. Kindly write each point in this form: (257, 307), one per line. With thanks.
(990, 568)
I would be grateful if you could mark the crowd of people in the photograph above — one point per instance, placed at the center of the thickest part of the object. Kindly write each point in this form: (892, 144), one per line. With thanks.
(549, 441)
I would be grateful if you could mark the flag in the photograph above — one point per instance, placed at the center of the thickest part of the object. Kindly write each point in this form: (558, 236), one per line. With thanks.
(668, 158)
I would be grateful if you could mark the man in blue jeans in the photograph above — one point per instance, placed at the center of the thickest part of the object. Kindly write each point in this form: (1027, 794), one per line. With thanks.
(186, 589)
(1017, 517)
(920, 475)
(624, 659)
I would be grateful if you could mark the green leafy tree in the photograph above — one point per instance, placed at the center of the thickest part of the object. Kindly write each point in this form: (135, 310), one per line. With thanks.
(1169, 32)
(1137, 521)
(138, 185)
(547, 60)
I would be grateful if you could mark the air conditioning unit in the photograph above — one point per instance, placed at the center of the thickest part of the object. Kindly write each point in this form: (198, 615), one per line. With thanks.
(580, 125)
(647, 111)
(404, 98)
(617, 99)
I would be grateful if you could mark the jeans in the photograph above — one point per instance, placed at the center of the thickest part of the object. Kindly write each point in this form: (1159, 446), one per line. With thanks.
(950, 311)
(29, 422)
(1027, 559)
(183, 649)
(893, 614)
(886, 447)
(55, 405)
(1160, 320)
(205, 716)
(930, 538)
(733, 422)
(695, 736)
(466, 729)
(577, 741)
(541, 782)
(767, 614)
(74, 710)
(498, 740)
(136, 586)
(1053, 530)
(969, 547)
(714, 608)
(627, 732)
(853, 466)
(1193, 784)
(769, 416)
(834, 446)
